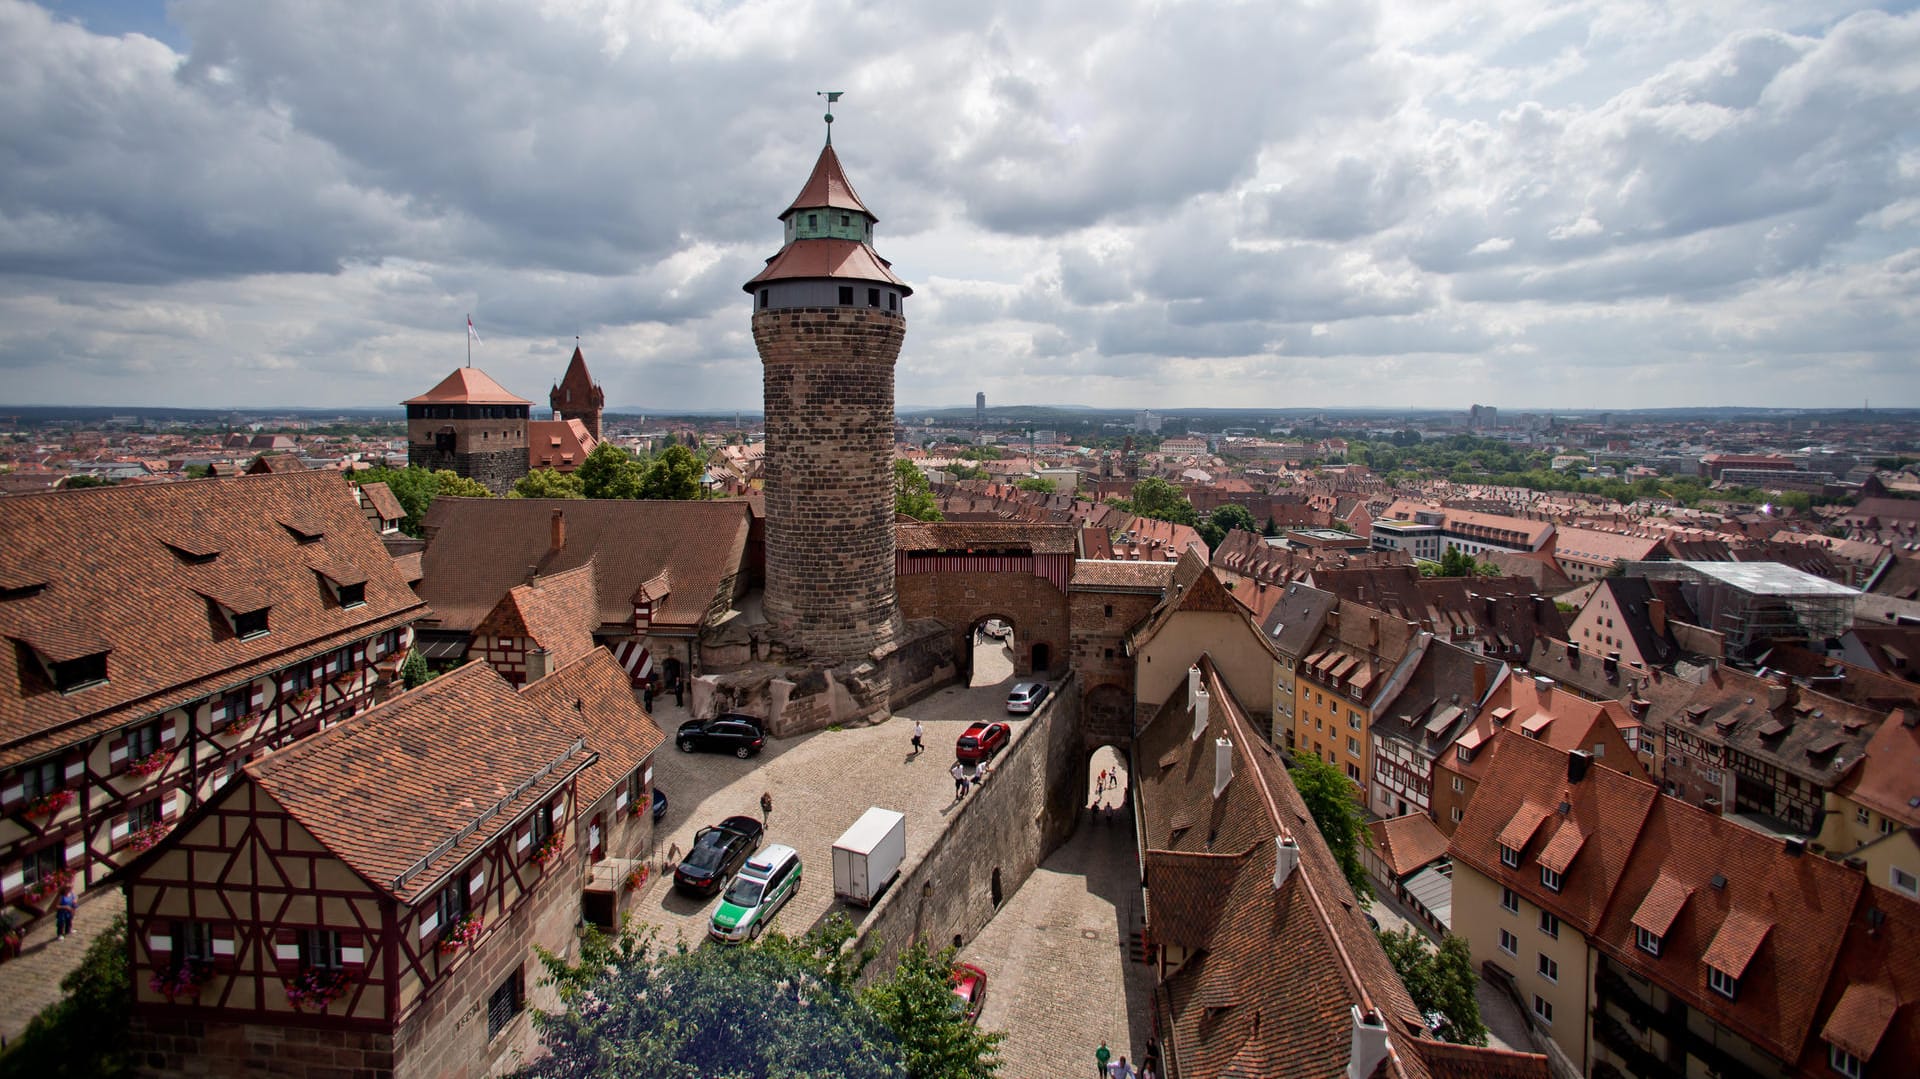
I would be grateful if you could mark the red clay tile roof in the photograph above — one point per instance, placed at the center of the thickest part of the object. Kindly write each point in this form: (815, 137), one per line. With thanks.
(1661, 905)
(950, 536)
(845, 259)
(481, 548)
(557, 612)
(384, 501)
(1446, 1060)
(558, 444)
(1878, 967)
(1860, 1019)
(1097, 575)
(593, 698)
(827, 188)
(467, 386)
(110, 578)
(576, 386)
(1740, 935)
(1565, 845)
(1887, 779)
(1408, 843)
(1521, 827)
(384, 789)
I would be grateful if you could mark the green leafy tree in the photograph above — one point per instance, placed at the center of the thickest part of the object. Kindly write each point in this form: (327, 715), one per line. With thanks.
(1037, 484)
(414, 671)
(1441, 982)
(84, 1033)
(966, 472)
(1455, 562)
(1156, 498)
(610, 472)
(547, 483)
(415, 488)
(1224, 520)
(451, 484)
(675, 474)
(75, 483)
(634, 1011)
(1343, 823)
(1272, 528)
(912, 495)
(199, 472)
(917, 1003)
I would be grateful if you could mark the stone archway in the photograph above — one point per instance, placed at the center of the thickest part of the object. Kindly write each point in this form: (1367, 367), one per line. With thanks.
(1108, 712)
(990, 654)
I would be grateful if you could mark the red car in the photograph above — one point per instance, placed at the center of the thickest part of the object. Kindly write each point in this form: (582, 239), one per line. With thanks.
(981, 741)
(969, 990)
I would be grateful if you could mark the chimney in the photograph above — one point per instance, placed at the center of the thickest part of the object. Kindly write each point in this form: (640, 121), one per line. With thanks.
(1577, 762)
(559, 542)
(1479, 682)
(1222, 765)
(1369, 1046)
(1657, 616)
(1573, 656)
(1543, 688)
(1796, 846)
(536, 664)
(1200, 702)
(1286, 855)
(533, 574)
(1193, 684)
(1333, 622)
(1778, 689)
(1373, 631)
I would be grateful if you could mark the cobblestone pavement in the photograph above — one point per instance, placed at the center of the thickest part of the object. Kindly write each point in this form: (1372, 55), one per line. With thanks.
(32, 981)
(820, 783)
(1060, 981)
(1506, 1027)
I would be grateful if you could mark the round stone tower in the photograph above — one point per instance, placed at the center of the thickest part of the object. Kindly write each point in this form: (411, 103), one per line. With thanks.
(828, 319)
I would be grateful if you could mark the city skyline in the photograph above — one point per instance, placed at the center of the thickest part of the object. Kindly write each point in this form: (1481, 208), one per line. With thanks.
(1387, 205)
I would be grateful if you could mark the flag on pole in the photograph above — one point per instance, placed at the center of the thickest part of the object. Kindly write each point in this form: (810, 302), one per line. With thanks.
(473, 335)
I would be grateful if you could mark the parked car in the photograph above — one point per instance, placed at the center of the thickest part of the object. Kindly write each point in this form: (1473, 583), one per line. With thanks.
(763, 885)
(1026, 696)
(659, 803)
(718, 853)
(728, 732)
(981, 741)
(969, 990)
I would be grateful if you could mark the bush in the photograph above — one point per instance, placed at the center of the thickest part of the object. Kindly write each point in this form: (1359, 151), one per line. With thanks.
(83, 1034)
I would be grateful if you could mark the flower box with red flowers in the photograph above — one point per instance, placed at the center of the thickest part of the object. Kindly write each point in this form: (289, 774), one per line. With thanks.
(548, 851)
(148, 836)
(315, 989)
(48, 887)
(182, 982)
(637, 879)
(151, 763)
(460, 934)
(50, 803)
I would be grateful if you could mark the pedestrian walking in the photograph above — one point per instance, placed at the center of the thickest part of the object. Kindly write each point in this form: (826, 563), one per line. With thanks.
(959, 775)
(766, 806)
(646, 696)
(63, 914)
(1146, 1070)
(918, 732)
(679, 690)
(1120, 1069)
(1101, 783)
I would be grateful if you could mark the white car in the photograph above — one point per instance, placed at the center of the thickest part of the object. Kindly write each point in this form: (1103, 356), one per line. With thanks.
(1026, 696)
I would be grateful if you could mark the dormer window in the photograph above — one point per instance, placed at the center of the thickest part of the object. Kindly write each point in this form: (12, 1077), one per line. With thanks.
(1549, 878)
(1464, 754)
(248, 624)
(1509, 857)
(353, 595)
(1845, 1063)
(1648, 942)
(1722, 983)
(84, 672)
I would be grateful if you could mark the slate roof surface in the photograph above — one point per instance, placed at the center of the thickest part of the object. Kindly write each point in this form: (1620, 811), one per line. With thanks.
(1298, 617)
(467, 386)
(388, 786)
(110, 579)
(480, 548)
(614, 724)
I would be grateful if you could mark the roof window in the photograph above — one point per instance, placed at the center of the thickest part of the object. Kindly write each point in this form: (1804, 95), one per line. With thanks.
(80, 673)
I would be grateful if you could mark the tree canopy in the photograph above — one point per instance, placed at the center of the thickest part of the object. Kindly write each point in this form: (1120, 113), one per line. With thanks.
(912, 495)
(1441, 983)
(1156, 498)
(415, 488)
(547, 483)
(1343, 823)
(610, 472)
(778, 1008)
(676, 474)
(1224, 520)
(1039, 484)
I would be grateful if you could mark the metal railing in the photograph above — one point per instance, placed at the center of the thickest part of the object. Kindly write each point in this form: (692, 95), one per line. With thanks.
(486, 815)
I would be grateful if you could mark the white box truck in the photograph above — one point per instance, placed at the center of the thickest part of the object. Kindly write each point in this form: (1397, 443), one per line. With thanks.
(868, 856)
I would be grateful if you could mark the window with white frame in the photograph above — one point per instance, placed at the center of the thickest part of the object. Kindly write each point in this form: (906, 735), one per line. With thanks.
(1550, 924)
(1543, 1009)
(1903, 881)
(320, 950)
(1722, 983)
(1845, 1063)
(1861, 816)
(1459, 785)
(1510, 900)
(1509, 943)
(1456, 814)
(1549, 878)
(1549, 968)
(1509, 857)
(1648, 942)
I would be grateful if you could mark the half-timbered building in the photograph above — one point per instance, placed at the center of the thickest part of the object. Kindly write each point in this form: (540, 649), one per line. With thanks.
(379, 889)
(156, 638)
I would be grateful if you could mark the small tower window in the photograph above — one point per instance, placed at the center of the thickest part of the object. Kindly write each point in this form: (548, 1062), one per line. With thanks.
(813, 221)
(873, 297)
(893, 301)
(846, 295)
(845, 220)
(763, 299)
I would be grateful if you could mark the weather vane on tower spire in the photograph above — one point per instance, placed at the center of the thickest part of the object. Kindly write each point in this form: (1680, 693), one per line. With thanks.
(831, 96)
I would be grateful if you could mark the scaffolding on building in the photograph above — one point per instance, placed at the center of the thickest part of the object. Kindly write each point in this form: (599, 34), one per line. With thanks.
(1757, 602)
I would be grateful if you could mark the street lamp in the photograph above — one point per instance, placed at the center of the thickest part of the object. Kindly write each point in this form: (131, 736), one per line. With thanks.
(1100, 1058)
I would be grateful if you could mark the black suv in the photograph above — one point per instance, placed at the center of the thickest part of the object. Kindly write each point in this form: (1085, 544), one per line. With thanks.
(729, 732)
(718, 853)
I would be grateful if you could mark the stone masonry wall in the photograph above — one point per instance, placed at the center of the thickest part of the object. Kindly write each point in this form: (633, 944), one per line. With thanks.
(496, 470)
(1037, 610)
(181, 1048)
(828, 383)
(1021, 814)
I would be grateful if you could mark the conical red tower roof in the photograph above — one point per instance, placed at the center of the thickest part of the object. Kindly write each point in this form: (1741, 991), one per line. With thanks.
(828, 188)
(467, 386)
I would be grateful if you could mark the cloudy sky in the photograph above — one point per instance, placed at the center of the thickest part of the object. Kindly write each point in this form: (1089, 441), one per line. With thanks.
(1609, 203)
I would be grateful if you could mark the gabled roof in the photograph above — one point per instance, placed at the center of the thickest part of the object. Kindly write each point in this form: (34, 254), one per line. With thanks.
(385, 503)
(558, 444)
(1407, 844)
(108, 577)
(480, 549)
(467, 386)
(1887, 779)
(826, 188)
(557, 613)
(592, 697)
(386, 788)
